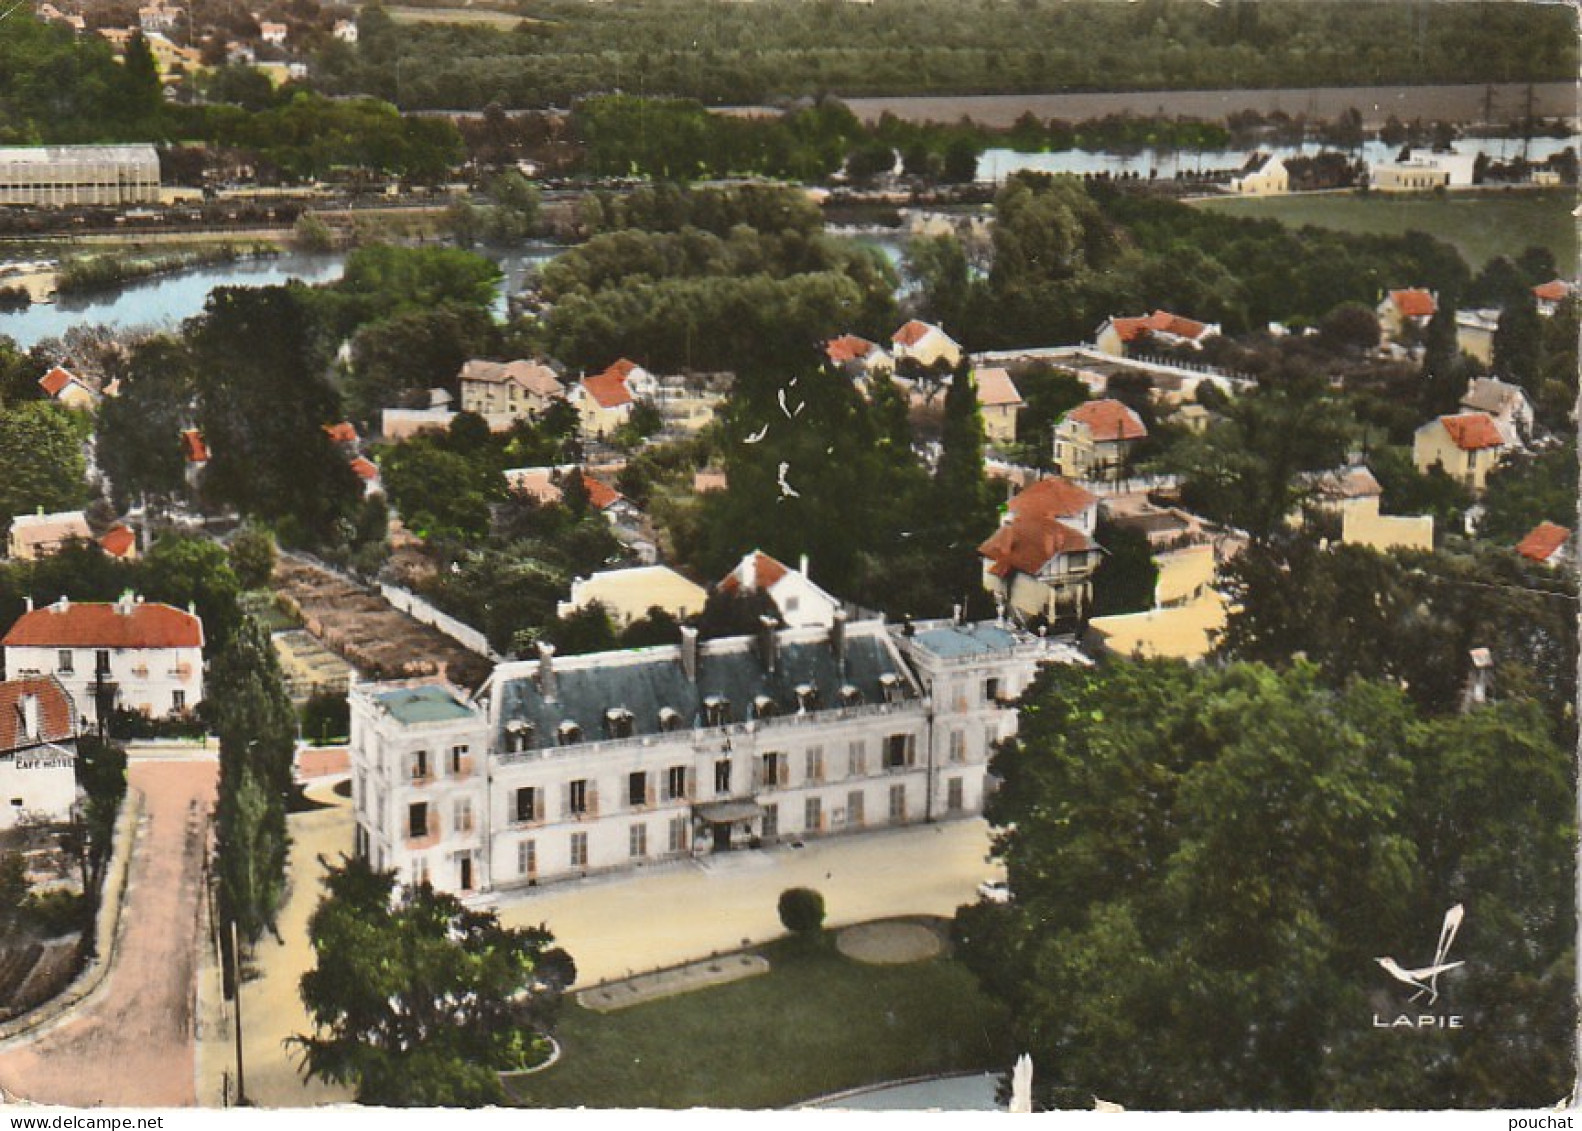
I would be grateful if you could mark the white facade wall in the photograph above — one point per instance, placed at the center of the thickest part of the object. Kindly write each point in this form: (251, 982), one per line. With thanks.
(155, 681)
(41, 781)
(79, 174)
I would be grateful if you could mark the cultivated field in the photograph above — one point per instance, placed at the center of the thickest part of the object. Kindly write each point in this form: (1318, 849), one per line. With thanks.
(454, 16)
(1481, 225)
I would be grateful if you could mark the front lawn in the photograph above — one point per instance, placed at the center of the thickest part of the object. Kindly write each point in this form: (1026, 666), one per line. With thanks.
(818, 1022)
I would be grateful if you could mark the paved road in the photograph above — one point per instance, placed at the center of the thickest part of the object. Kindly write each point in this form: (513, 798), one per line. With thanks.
(131, 1044)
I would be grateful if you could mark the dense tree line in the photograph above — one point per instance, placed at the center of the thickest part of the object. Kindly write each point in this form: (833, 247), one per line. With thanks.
(786, 48)
(1206, 862)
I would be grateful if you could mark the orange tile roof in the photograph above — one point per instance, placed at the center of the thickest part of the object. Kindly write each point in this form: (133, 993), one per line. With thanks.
(763, 572)
(1552, 291)
(364, 468)
(600, 493)
(1471, 431)
(82, 625)
(1109, 420)
(1026, 544)
(192, 444)
(1159, 322)
(1542, 541)
(912, 333)
(342, 433)
(57, 716)
(622, 368)
(1414, 303)
(607, 389)
(118, 541)
(56, 380)
(848, 347)
(995, 388)
(1053, 497)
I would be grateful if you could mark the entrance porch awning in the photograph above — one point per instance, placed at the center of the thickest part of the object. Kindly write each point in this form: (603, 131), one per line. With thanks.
(724, 812)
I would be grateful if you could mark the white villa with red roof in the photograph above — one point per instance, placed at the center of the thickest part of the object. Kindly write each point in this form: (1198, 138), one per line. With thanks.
(1412, 306)
(800, 602)
(66, 388)
(1551, 294)
(1041, 560)
(925, 344)
(858, 357)
(145, 657)
(605, 401)
(1095, 440)
(1161, 328)
(1466, 446)
(38, 751)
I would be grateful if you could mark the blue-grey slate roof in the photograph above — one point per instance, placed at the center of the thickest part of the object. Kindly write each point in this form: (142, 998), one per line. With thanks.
(425, 704)
(958, 640)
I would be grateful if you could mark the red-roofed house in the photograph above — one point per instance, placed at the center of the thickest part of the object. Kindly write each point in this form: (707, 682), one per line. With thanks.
(38, 750)
(546, 485)
(1466, 446)
(604, 402)
(998, 404)
(343, 433)
(1411, 307)
(1161, 328)
(142, 657)
(193, 449)
(120, 541)
(368, 472)
(858, 357)
(1551, 294)
(1041, 559)
(799, 601)
(1548, 543)
(925, 344)
(64, 387)
(1095, 440)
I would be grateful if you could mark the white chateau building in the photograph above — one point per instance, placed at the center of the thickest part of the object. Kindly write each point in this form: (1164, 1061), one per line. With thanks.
(141, 657)
(563, 768)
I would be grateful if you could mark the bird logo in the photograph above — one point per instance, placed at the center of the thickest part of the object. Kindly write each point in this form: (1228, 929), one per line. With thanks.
(1425, 979)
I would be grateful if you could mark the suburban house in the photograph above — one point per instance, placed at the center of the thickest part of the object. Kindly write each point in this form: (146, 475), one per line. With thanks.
(195, 454)
(858, 357)
(34, 536)
(1181, 546)
(273, 34)
(1343, 489)
(1410, 307)
(1475, 333)
(397, 424)
(345, 31)
(64, 387)
(507, 391)
(1040, 561)
(1551, 294)
(925, 344)
(1095, 440)
(1417, 174)
(999, 402)
(1263, 176)
(1549, 544)
(1506, 403)
(604, 402)
(547, 486)
(799, 602)
(367, 473)
(1161, 329)
(562, 768)
(1466, 446)
(38, 751)
(342, 434)
(137, 656)
(1362, 525)
(628, 594)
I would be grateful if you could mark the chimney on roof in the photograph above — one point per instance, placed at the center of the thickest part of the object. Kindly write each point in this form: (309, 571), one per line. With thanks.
(546, 671)
(802, 567)
(837, 639)
(62, 604)
(768, 644)
(123, 605)
(1480, 682)
(689, 652)
(27, 712)
(955, 613)
(28, 602)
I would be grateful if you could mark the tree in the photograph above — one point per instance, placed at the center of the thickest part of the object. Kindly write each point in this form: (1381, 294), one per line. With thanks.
(137, 439)
(1518, 342)
(1206, 863)
(801, 911)
(41, 460)
(417, 1001)
(1440, 354)
(252, 554)
(1127, 576)
(182, 570)
(961, 161)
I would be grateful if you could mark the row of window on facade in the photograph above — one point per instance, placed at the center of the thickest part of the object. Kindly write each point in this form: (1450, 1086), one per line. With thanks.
(679, 831)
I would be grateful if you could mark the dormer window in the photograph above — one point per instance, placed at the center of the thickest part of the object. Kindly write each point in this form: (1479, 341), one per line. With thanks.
(618, 721)
(518, 736)
(763, 707)
(850, 696)
(806, 697)
(570, 733)
(669, 719)
(716, 710)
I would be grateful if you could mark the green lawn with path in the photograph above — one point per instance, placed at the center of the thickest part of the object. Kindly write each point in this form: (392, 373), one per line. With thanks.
(1480, 224)
(817, 1023)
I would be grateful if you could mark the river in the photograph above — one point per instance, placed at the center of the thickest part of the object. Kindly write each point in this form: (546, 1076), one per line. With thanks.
(164, 301)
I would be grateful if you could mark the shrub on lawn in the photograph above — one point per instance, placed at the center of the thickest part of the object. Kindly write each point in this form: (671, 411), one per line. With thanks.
(802, 910)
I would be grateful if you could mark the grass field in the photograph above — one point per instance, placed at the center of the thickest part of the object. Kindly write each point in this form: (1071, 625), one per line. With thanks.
(485, 16)
(1481, 225)
(817, 1023)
